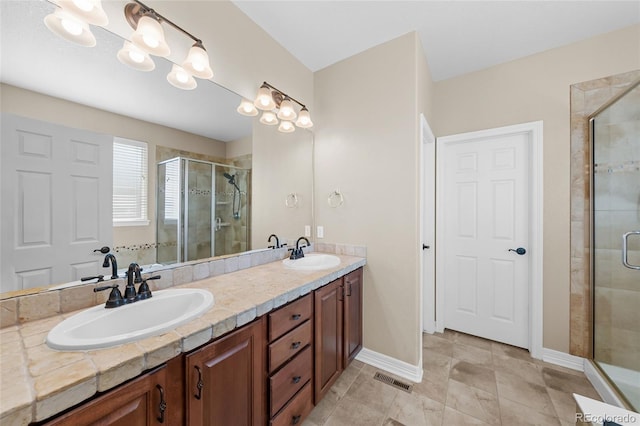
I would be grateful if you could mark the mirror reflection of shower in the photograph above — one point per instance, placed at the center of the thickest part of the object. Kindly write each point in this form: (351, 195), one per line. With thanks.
(232, 181)
(198, 214)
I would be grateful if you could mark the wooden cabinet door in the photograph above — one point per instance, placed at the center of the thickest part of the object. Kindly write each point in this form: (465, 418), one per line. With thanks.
(137, 403)
(226, 380)
(352, 316)
(328, 302)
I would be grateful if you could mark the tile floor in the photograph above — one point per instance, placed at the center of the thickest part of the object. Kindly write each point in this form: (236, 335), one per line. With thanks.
(467, 381)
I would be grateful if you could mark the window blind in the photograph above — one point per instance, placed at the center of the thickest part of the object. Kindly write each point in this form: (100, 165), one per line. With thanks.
(129, 182)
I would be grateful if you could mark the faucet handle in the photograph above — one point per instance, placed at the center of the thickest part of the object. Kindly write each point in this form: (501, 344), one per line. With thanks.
(144, 292)
(99, 277)
(115, 297)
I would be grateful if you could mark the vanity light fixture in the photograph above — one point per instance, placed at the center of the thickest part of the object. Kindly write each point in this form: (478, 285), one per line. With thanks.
(277, 105)
(71, 20)
(149, 36)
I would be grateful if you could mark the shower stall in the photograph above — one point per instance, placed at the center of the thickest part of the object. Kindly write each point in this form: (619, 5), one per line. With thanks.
(615, 242)
(202, 210)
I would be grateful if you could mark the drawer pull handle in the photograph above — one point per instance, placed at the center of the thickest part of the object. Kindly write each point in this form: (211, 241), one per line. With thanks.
(163, 404)
(296, 379)
(296, 419)
(200, 384)
(295, 345)
(296, 317)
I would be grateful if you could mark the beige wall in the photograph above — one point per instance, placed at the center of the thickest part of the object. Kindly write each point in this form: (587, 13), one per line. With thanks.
(530, 89)
(282, 164)
(366, 145)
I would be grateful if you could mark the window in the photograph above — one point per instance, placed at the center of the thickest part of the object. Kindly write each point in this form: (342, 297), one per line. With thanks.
(129, 183)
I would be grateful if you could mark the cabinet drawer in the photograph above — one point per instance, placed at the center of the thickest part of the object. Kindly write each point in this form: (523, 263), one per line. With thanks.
(288, 345)
(286, 382)
(296, 411)
(289, 317)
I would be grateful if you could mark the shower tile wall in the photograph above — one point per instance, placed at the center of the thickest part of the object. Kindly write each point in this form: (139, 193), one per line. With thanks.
(586, 98)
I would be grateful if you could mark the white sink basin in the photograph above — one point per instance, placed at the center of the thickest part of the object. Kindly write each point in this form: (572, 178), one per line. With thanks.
(313, 262)
(99, 327)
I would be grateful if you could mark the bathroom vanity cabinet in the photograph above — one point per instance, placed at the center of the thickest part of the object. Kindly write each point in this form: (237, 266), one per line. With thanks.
(291, 362)
(338, 334)
(225, 379)
(141, 402)
(270, 371)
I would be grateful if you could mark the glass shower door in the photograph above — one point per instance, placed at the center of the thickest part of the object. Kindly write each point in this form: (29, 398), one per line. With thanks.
(615, 131)
(198, 238)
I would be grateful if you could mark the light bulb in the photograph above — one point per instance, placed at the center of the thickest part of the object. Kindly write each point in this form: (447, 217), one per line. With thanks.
(182, 76)
(84, 5)
(70, 28)
(181, 79)
(149, 37)
(151, 40)
(286, 110)
(286, 127)
(197, 62)
(134, 57)
(304, 119)
(264, 100)
(247, 108)
(90, 11)
(269, 118)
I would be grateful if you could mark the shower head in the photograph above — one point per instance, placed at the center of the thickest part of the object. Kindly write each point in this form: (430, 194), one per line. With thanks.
(230, 178)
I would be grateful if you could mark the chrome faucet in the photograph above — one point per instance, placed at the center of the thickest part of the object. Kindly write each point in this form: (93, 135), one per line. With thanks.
(277, 241)
(109, 258)
(297, 252)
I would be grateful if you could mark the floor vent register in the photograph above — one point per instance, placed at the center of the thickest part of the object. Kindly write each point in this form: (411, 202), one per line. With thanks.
(393, 382)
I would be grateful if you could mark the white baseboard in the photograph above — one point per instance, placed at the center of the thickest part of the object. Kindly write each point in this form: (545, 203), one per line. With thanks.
(391, 365)
(600, 384)
(563, 359)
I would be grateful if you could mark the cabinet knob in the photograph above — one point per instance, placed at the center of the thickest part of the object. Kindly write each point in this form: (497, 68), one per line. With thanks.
(296, 317)
(296, 419)
(295, 345)
(296, 379)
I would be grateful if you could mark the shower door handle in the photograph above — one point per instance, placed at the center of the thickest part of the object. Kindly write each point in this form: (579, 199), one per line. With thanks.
(625, 244)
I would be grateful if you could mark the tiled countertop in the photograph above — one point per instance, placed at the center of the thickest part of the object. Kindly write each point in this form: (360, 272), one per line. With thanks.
(38, 382)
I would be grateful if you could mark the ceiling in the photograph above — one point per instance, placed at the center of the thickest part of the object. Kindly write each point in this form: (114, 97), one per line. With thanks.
(458, 37)
(94, 76)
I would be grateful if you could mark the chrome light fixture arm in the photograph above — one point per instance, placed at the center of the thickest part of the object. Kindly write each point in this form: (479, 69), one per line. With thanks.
(134, 11)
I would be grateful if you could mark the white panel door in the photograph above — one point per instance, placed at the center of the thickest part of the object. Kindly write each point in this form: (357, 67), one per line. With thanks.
(56, 202)
(486, 195)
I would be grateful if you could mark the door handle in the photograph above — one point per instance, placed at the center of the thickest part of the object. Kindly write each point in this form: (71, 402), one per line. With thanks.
(519, 250)
(625, 254)
(425, 247)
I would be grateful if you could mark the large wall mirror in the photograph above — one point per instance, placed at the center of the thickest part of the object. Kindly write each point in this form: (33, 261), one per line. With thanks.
(218, 183)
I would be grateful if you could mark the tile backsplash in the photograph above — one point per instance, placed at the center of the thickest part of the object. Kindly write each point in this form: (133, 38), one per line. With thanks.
(36, 306)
